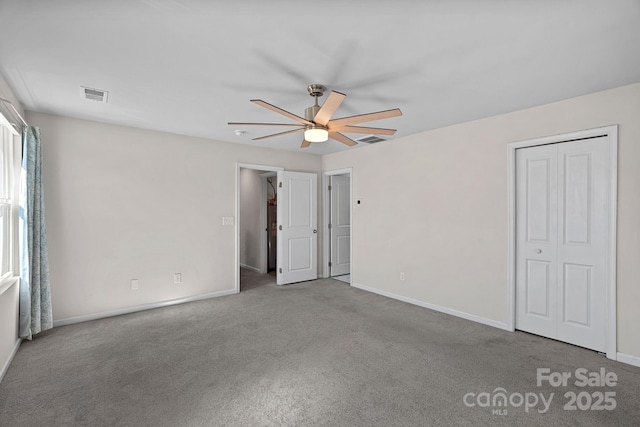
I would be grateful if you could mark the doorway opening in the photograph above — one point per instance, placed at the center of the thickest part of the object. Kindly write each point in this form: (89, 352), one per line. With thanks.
(256, 203)
(269, 221)
(562, 237)
(337, 190)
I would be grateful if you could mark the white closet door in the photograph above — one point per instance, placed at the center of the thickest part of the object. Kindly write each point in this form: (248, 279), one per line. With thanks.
(583, 226)
(537, 237)
(562, 225)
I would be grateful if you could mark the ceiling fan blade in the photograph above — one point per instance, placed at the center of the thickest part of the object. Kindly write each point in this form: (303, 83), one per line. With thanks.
(263, 124)
(341, 138)
(281, 111)
(305, 143)
(278, 134)
(366, 117)
(363, 129)
(329, 107)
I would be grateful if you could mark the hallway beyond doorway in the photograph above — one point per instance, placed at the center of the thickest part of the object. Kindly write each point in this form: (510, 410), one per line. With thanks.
(250, 279)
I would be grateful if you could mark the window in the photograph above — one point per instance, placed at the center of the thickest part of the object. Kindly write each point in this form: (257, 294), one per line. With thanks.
(7, 192)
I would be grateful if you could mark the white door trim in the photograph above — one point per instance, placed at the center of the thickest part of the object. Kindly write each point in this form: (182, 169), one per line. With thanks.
(612, 133)
(264, 168)
(326, 217)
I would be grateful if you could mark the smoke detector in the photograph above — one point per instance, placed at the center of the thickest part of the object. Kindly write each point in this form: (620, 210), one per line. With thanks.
(93, 94)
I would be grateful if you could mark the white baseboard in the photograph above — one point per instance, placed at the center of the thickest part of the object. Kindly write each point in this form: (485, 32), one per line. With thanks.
(628, 359)
(248, 267)
(5, 368)
(434, 307)
(134, 309)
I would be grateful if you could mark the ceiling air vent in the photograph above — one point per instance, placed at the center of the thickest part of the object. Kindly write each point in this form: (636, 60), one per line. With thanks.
(92, 94)
(371, 139)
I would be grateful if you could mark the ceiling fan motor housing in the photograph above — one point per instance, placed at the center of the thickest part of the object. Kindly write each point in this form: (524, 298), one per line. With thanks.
(314, 90)
(310, 112)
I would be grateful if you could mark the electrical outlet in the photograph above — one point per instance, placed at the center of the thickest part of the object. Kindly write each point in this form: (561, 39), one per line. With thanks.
(402, 276)
(135, 284)
(177, 278)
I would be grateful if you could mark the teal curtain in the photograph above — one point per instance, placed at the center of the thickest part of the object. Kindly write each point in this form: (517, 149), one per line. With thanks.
(35, 297)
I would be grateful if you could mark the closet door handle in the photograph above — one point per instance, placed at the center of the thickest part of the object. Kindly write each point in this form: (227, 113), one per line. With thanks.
(538, 251)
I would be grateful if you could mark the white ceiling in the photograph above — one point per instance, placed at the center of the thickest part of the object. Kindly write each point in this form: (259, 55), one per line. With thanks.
(189, 67)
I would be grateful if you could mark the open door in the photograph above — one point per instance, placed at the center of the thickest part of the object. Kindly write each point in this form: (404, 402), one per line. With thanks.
(297, 227)
(340, 225)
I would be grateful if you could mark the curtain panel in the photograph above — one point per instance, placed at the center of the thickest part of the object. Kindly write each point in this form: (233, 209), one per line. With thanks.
(35, 297)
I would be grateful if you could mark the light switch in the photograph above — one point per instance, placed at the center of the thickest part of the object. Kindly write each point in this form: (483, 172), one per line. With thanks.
(227, 220)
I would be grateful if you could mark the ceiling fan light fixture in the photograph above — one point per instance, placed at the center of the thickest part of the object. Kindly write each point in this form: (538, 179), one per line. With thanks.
(316, 134)
(317, 124)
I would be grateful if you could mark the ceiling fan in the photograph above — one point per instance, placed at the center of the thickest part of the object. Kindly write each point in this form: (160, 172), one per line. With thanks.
(317, 124)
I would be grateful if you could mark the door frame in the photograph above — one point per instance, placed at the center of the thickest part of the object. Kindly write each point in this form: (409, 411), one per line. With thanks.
(263, 168)
(611, 132)
(326, 218)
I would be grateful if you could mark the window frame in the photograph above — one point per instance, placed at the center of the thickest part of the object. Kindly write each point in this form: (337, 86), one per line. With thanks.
(10, 169)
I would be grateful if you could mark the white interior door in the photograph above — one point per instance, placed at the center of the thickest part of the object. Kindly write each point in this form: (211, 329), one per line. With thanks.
(537, 237)
(340, 225)
(297, 227)
(561, 245)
